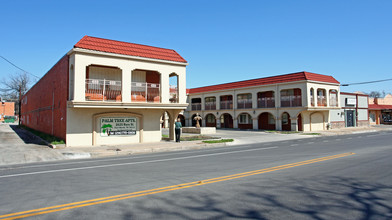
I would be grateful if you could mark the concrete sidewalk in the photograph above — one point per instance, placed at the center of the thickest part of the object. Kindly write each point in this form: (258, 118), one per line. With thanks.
(19, 146)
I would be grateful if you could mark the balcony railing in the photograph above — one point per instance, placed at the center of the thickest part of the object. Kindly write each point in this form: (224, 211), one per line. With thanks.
(173, 94)
(266, 102)
(312, 100)
(145, 92)
(103, 90)
(196, 106)
(210, 106)
(244, 103)
(290, 101)
(333, 102)
(226, 104)
(321, 101)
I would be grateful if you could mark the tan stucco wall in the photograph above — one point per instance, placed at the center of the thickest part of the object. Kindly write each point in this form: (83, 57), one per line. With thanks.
(80, 126)
(80, 60)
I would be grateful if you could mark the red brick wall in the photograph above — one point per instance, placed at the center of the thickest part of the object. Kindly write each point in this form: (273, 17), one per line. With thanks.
(7, 109)
(44, 106)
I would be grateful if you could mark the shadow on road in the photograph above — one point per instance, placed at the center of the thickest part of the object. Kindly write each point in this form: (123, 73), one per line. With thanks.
(26, 136)
(330, 198)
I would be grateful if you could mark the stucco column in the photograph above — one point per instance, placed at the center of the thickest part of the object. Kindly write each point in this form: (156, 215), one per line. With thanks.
(294, 124)
(126, 83)
(327, 97)
(254, 100)
(165, 87)
(203, 103)
(235, 123)
(217, 101)
(218, 122)
(181, 86)
(278, 124)
(80, 79)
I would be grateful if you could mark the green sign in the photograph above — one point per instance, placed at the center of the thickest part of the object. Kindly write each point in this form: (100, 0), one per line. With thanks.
(114, 126)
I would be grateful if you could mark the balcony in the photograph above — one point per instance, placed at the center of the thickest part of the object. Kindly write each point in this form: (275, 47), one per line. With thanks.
(291, 101)
(266, 102)
(244, 103)
(173, 93)
(196, 106)
(145, 92)
(226, 104)
(210, 106)
(103, 90)
(321, 101)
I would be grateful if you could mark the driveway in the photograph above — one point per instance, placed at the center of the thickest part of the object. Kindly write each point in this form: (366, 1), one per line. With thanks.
(18, 146)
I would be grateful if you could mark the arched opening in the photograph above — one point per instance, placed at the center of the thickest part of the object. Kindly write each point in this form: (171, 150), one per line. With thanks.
(286, 122)
(210, 120)
(316, 121)
(103, 83)
(226, 121)
(182, 119)
(333, 98)
(194, 121)
(145, 86)
(311, 96)
(266, 121)
(299, 122)
(266, 99)
(245, 121)
(173, 84)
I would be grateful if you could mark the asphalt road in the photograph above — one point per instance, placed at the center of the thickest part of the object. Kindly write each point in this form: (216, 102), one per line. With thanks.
(314, 178)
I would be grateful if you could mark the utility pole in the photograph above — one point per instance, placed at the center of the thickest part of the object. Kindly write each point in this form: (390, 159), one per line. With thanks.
(20, 103)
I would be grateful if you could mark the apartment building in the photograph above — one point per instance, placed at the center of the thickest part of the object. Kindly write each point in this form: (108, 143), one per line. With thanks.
(106, 92)
(292, 102)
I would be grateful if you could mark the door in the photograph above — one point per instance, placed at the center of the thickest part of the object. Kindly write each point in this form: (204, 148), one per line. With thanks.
(350, 118)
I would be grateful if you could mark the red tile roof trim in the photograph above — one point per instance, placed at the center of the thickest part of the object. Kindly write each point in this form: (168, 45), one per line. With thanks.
(292, 77)
(379, 107)
(131, 49)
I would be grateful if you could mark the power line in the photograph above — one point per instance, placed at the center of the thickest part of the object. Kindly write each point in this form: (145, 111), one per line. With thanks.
(18, 67)
(382, 80)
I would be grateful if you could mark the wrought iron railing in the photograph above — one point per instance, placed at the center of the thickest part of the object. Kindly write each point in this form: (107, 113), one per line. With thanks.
(145, 92)
(226, 104)
(196, 106)
(291, 101)
(103, 90)
(266, 102)
(210, 106)
(244, 103)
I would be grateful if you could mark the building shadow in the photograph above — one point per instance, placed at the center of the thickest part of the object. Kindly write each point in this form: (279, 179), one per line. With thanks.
(26, 136)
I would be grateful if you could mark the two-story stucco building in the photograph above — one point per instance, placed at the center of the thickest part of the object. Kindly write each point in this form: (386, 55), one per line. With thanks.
(108, 92)
(294, 102)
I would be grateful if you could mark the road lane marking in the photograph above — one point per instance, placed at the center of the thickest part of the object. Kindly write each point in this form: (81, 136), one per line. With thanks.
(133, 163)
(97, 201)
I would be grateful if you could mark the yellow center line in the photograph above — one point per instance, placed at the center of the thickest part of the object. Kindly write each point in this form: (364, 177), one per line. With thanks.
(102, 200)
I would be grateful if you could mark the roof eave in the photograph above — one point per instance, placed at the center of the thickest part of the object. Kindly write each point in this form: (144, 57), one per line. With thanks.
(81, 50)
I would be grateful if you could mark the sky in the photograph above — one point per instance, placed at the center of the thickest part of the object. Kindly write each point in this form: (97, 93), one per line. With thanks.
(223, 41)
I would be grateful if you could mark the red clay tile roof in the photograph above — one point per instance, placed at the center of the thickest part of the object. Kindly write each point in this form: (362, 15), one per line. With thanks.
(131, 49)
(267, 80)
(379, 107)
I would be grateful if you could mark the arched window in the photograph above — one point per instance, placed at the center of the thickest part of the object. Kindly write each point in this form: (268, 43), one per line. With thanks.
(333, 98)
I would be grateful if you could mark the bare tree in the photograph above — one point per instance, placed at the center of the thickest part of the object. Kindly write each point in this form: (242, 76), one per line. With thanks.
(376, 94)
(14, 88)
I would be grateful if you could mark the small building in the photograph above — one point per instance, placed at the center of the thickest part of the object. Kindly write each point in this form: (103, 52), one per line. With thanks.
(7, 109)
(353, 112)
(105, 92)
(380, 110)
(293, 102)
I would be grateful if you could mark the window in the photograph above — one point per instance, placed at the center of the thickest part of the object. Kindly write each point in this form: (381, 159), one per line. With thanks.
(312, 97)
(245, 119)
(285, 118)
(271, 119)
(210, 118)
